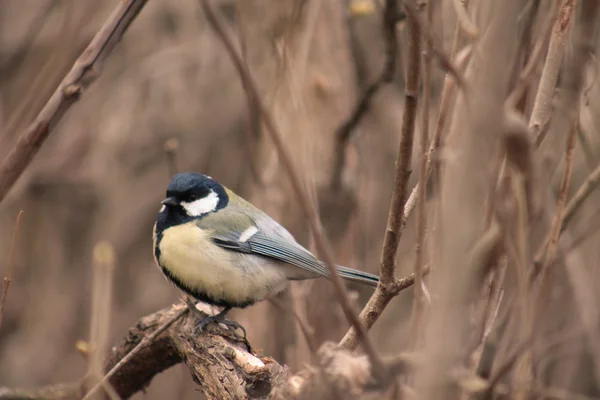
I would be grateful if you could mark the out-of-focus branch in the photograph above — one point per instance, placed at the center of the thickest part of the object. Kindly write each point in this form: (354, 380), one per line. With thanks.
(11, 64)
(419, 295)
(568, 104)
(388, 285)
(85, 70)
(467, 252)
(391, 15)
(308, 209)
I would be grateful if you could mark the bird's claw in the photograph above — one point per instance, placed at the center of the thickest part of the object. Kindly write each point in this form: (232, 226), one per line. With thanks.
(218, 318)
(231, 325)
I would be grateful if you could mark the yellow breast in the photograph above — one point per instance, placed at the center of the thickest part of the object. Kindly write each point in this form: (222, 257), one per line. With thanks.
(191, 257)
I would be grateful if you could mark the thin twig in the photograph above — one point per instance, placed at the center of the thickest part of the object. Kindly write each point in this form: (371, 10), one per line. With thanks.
(85, 70)
(432, 42)
(306, 205)
(9, 265)
(542, 107)
(572, 85)
(146, 341)
(562, 196)
(444, 107)
(527, 73)
(388, 285)
(391, 16)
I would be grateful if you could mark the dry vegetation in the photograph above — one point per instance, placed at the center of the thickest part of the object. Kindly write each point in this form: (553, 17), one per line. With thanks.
(449, 143)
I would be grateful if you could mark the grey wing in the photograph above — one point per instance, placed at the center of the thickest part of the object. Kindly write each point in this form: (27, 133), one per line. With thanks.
(275, 248)
(273, 241)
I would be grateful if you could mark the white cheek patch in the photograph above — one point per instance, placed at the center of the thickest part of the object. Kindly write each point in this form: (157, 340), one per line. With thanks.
(248, 233)
(201, 206)
(163, 208)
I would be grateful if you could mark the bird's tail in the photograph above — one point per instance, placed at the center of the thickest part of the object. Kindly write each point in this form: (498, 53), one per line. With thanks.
(364, 278)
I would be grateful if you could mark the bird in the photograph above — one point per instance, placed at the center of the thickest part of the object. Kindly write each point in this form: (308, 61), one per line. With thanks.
(220, 249)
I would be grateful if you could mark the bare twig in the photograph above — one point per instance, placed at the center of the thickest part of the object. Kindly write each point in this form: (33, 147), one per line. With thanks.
(447, 92)
(542, 107)
(527, 73)
(391, 16)
(444, 60)
(85, 70)
(555, 229)
(9, 265)
(306, 205)
(388, 285)
(572, 85)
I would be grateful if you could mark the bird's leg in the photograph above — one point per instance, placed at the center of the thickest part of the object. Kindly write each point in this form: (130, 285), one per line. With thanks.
(218, 318)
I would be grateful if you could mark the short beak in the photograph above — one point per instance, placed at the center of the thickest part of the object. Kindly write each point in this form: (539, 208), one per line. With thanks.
(169, 201)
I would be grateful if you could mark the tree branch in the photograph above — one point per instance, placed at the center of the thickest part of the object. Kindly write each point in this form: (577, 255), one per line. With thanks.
(388, 285)
(85, 70)
(222, 367)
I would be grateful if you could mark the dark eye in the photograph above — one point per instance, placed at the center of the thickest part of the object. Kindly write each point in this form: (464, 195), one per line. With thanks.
(193, 197)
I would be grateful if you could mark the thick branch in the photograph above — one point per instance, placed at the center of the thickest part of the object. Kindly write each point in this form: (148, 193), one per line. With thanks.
(222, 367)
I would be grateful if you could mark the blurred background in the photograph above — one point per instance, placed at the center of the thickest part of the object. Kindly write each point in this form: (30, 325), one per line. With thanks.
(170, 100)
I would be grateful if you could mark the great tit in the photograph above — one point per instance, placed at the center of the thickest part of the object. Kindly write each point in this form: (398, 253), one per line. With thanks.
(220, 249)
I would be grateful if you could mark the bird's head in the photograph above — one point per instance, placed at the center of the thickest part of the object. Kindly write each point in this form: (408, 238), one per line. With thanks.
(194, 195)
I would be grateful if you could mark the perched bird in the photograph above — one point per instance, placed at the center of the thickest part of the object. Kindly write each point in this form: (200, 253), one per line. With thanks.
(220, 249)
